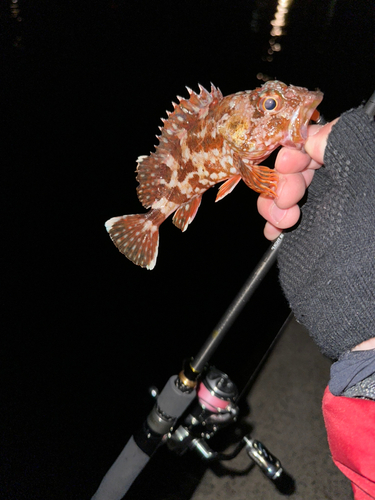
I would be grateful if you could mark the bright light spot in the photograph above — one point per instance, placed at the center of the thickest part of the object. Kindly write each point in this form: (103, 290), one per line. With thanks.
(276, 31)
(279, 20)
(278, 23)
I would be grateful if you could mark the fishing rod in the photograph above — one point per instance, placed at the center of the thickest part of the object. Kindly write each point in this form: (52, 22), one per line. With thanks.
(210, 396)
(369, 107)
(215, 395)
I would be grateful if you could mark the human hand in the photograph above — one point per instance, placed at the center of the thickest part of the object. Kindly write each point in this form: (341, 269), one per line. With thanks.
(296, 170)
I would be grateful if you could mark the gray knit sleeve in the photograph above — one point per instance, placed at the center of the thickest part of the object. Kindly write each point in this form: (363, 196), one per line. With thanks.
(327, 263)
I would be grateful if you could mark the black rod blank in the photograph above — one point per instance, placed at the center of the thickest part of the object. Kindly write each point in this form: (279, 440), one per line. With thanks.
(236, 306)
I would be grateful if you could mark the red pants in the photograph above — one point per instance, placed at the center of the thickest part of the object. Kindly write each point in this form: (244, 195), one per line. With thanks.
(350, 424)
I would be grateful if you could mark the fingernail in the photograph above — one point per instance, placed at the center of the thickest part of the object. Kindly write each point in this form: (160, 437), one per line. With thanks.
(277, 213)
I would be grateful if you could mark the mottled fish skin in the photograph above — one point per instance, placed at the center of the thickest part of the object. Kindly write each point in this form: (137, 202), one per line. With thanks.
(208, 139)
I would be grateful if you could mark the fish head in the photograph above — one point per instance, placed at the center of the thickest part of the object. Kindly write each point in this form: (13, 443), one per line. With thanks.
(256, 122)
(300, 106)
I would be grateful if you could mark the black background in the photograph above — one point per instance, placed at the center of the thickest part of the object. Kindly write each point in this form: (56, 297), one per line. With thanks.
(85, 332)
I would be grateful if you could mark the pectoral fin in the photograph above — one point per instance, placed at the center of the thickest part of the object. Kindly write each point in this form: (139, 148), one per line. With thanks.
(259, 178)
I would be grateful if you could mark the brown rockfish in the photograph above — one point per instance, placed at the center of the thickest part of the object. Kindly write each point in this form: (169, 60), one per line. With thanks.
(209, 139)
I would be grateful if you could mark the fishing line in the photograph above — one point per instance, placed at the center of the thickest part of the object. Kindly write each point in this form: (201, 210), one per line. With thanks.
(264, 358)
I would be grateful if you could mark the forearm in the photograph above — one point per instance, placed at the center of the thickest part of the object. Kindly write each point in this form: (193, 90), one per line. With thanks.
(327, 265)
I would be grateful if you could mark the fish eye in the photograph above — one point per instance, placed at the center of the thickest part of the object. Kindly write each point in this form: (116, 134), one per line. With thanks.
(269, 104)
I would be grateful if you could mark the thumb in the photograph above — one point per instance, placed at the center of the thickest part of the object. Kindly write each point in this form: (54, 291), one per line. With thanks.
(316, 142)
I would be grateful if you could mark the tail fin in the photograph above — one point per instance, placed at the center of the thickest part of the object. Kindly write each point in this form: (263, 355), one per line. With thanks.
(137, 237)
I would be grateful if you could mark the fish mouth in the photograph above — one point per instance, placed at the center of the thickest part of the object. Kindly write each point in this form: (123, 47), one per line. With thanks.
(297, 130)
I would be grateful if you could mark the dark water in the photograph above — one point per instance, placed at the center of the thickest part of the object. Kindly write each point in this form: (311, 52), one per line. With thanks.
(85, 332)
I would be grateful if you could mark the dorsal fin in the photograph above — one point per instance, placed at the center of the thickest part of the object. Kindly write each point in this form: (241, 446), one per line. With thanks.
(189, 111)
(152, 170)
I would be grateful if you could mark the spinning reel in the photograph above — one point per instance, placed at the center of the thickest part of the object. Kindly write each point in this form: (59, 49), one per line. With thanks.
(213, 409)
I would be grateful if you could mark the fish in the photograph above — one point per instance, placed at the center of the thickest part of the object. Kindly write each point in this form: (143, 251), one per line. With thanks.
(206, 140)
